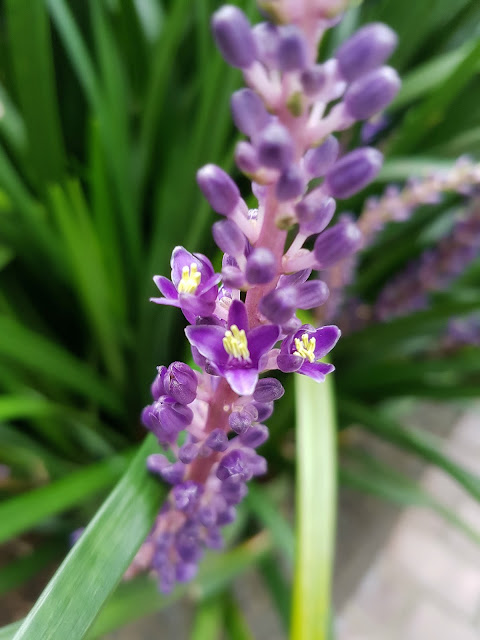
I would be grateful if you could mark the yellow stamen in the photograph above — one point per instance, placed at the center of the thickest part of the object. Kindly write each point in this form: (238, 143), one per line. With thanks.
(190, 279)
(305, 348)
(235, 343)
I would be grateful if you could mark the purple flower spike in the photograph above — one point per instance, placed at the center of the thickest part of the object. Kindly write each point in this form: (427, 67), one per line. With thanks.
(275, 147)
(317, 161)
(337, 243)
(290, 185)
(302, 351)
(315, 212)
(181, 383)
(219, 189)
(368, 48)
(292, 52)
(372, 93)
(234, 37)
(228, 237)
(249, 113)
(353, 172)
(235, 352)
(193, 287)
(261, 266)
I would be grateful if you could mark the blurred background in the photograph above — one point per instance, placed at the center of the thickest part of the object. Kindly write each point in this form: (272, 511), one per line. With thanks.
(107, 109)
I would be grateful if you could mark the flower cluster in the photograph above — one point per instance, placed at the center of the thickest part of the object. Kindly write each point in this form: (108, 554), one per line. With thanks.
(243, 322)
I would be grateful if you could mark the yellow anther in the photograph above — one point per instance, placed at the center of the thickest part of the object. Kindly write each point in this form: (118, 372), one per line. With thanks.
(190, 279)
(305, 348)
(235, 343)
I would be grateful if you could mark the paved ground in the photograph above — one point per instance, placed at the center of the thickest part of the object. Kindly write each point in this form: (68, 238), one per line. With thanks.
(424, 583)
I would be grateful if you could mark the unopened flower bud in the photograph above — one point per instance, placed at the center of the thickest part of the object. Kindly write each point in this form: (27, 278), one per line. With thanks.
(249, 113)
(218, 188)
(233, 463)
(290, 185)
(279, 305)
(181, 383)
(275, 146)
(313, 79)
(261, 266)
(233, 35)
(246, 158)
(188, 452)
(266, 36)
(367, 49)
(158, 387)
(371, 93)
(314, 212)
(353, 172)
(255, 436)
(268, 390)
(264, 409)
(233, 277)
(311, 294)
(239, 421)
(171, 473)
(228, 237)
(292, 52)
(317, 161)
(337, 243)
(217, 440)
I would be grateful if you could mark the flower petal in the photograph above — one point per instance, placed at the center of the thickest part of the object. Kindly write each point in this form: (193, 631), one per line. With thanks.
(289, 363)
(316, 370)
(242, 381)
(166, 301)
(237, 314)
(196, 305)
(208, 340)
(326, 338)
(166, 287)
(261, 339)
(181, 258)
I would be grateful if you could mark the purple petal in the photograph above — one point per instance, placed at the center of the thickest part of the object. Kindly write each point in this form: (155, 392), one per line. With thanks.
(208, 340)
(316, 370)
(166, 301)
(326, 338)
(205, 266)
(181, 258)
(208, 288)
(294, 279)
(166, 287)
(289, 363)
(196, 306)
(242, 381)
(237, 314)
(261, 339)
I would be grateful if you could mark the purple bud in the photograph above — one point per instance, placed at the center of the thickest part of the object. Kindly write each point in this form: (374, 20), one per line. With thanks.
(279, 305)
(249, 113)
(188, 452)
(268, 390)
(246, 157)
(292, 53)
(218, 188)
(257, 464)
(368, 48)
(158, 388)
(266, 36)
(255, 436)
(228, 237)
(217, 440)
(174, 416)
(240, 421)
(226, 516)
(315, 212)
(313, 80)
(171, 473)
(261, 266)
(317, 161)
(275, 146)
(186, 495)
(181, 383)
(233, 277)
(233, 463)
(291, 184)
(371, 93)
(207, 516)
(185, 571)
(337, 243)
(234, 37)
(213, 539)
(353, 172)
(233, 489)
(187, 543)
(265, 410)
(312, 294)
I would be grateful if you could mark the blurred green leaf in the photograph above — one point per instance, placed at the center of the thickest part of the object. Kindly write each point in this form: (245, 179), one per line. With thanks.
(315, 508)
(208, 619)
(27, 566)
(236, 626)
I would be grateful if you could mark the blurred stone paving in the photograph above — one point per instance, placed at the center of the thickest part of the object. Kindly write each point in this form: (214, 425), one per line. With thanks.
(424, 583)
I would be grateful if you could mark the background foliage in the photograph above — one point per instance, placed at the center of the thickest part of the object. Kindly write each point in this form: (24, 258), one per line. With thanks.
(108, 107)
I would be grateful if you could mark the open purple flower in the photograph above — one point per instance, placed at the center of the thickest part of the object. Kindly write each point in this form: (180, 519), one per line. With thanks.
(193, 285)
(302, 351)
(235, 351)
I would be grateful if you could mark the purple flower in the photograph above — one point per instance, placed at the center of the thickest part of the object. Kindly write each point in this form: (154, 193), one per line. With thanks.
(302, 351)
(235, 352)
(193, 287)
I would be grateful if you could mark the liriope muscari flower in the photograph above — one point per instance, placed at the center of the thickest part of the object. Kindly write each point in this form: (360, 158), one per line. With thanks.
(243, 322)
